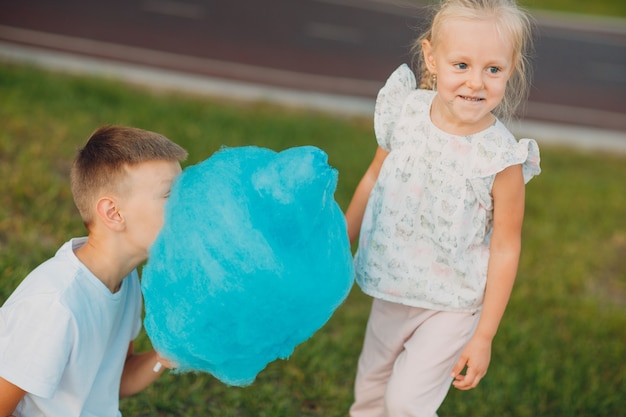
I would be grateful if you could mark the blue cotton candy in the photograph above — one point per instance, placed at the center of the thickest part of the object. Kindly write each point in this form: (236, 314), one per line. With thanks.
(253, 259)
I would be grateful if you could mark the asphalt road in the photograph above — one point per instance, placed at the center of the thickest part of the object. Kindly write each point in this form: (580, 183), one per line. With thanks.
(345, 47)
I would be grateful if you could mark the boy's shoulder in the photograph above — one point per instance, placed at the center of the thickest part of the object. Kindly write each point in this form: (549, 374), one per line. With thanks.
(51, 277)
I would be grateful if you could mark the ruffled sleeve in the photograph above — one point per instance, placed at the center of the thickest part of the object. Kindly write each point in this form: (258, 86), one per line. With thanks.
(498, 149)
(389, 103)
(496, 153)
(529, 158)
(524, 152)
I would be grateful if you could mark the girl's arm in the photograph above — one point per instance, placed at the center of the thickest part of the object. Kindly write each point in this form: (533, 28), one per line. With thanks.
(356, 208)
(508, 199)
(10, 396)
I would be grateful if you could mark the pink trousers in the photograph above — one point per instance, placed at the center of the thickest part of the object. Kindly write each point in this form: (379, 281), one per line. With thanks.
(407, 357)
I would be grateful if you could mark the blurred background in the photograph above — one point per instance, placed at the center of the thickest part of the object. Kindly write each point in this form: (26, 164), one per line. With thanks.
(330, 54)
(284, 73)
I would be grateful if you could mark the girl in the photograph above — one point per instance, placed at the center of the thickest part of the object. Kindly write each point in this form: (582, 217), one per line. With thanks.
(439, 210)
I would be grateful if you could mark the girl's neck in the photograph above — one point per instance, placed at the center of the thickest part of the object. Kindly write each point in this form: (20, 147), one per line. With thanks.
(444, 120)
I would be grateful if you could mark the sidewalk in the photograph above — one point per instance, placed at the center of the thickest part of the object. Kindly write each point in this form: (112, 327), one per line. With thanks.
(157, 79)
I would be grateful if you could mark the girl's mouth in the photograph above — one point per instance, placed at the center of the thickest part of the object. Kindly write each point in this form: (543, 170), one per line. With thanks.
(472, 99)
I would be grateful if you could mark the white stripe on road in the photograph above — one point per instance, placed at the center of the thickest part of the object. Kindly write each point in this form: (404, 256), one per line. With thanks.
(570, 114)
(567, 135)
(165, 59)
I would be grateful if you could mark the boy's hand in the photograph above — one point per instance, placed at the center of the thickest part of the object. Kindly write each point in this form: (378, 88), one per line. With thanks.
(476, 356)
(164, 363)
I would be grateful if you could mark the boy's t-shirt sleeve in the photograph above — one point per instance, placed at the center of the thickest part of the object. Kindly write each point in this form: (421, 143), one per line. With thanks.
(36, 336)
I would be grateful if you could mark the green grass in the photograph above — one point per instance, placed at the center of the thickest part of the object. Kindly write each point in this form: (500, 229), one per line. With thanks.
(613, 8)
(560, 350)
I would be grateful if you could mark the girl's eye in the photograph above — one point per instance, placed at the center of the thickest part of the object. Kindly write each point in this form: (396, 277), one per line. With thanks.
(494, 70)
(461, 66)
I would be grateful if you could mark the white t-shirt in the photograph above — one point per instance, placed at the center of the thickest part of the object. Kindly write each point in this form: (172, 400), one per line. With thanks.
(425, 234)
(64, 338)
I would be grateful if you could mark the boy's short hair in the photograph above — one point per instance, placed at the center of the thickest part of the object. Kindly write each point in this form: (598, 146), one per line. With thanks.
(100, 165)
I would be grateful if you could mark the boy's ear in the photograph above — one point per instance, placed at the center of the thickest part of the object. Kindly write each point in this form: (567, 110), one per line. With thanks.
(429, 59)
(107, 211)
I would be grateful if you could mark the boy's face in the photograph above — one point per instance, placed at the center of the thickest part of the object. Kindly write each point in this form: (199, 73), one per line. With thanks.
(146, 190)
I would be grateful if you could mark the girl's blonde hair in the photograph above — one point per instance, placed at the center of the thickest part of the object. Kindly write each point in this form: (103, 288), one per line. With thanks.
(512, 22)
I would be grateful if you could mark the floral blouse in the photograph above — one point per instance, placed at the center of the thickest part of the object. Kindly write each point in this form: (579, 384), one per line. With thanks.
(425, 234)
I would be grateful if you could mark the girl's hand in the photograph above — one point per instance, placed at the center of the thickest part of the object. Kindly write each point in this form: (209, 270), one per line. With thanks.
(476, 356)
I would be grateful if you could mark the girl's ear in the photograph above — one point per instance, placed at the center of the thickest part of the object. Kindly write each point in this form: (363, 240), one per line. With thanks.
(429, 59)
(108, 212)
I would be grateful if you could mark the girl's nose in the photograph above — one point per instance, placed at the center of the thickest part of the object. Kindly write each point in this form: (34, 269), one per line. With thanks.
(475, 80)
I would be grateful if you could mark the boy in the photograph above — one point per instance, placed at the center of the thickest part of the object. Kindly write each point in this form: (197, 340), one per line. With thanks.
(66, 333)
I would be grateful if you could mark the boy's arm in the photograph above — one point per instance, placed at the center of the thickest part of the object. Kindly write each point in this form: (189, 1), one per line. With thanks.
(10, 396)
(508, 198)
(356, 209)
(140, 370)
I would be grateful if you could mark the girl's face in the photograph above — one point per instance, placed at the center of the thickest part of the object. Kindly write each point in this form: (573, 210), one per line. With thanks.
(473, 63)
